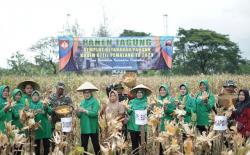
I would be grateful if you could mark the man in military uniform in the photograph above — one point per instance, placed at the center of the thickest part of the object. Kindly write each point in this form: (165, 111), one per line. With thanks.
(228, 95)
(58, 99)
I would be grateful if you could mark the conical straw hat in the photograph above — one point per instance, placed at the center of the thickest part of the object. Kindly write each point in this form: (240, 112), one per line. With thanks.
(141, 86)
(31, 82)
(87, 86)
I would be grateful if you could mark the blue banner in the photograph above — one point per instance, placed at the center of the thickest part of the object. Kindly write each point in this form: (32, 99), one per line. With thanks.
(115, 53)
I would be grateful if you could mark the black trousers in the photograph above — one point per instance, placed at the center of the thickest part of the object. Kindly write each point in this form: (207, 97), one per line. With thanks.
(18, 152)
(95, 142)
(201, 128)
(46, 146)
(136, 140)
(161, 150)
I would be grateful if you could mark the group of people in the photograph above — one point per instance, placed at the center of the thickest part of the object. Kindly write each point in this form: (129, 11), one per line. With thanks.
(27, 97)
(90, 109)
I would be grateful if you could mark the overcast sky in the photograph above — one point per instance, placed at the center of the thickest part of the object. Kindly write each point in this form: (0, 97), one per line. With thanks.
(23, 22)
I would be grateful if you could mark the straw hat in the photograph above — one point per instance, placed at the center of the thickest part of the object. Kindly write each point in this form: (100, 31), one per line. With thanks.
(141, 86)
(87, 86)
(129, 79)
(30, 82)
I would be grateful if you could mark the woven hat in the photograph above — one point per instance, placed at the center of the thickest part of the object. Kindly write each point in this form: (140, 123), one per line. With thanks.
(141, 86)
(87, 86)
(30, 82)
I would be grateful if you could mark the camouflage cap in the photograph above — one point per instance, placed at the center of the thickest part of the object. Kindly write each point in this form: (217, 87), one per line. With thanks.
(60, 85)
(118, 86)
(229, 83)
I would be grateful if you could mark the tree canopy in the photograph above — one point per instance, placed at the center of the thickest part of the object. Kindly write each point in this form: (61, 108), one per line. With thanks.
(205, 51)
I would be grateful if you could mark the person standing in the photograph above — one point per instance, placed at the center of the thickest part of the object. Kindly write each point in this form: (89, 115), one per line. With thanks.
(5, 107)
(44, 132)
(204, 103)
(88, 114)
(228, 95)
(186, 102)
(59, 98)
(19, 105)
(139, 103)
(242, 113)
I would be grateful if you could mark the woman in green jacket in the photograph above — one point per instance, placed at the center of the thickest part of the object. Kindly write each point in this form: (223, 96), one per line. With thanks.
(167, 103)
(204, 103)
(5, 107)
(186, 101)
(44, 132)
(138, 103)
(88, 114)
(19, 105)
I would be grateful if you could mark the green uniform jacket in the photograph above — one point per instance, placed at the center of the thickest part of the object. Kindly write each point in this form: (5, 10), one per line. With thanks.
(44, 131)
(19, 105)
(4, 116)
(168, 109)
(202, 109)
(89, 120)
(136, 104)
(24, 97)
(189, 104)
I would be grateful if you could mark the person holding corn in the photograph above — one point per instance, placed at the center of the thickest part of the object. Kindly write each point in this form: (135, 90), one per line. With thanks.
(19, 105)
(44, 132)
(5, 107)
(88, 114)
(136, 106)
(167, 102)
(185, 102)
(204, 103)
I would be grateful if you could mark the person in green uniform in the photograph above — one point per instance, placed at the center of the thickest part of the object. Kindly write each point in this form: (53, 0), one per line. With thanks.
(88, 114)
(44, 132)
(166, 102)
(5, 107)
(138, 103)
(19, 105)
(186, 102)
(27, 88)
(204, 103)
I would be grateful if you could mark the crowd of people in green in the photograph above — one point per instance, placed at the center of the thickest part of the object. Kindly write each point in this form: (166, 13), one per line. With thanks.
(27, 96)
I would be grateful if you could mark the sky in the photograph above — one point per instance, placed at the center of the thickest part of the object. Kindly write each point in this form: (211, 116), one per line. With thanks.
(23, 23)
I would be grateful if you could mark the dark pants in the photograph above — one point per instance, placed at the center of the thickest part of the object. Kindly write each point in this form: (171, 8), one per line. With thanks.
(18, 152)
(136, 140)
(95, 142)
(125, 132)
(201, 128)
(46, 146)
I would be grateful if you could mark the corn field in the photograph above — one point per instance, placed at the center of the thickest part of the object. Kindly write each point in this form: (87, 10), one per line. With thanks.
(112, 142)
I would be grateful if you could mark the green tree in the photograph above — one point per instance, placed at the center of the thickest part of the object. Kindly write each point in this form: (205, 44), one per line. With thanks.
(132, 33)
(47, 54)
(204, 51)
(244, 67)
(19, 64)
(47, 49)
